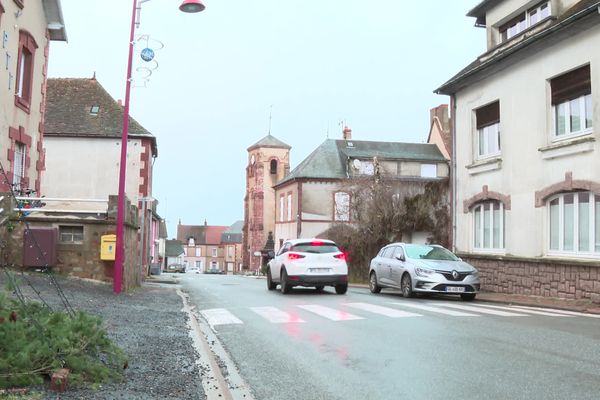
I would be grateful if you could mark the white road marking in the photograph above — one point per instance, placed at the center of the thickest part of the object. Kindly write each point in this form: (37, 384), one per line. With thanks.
(276, 316)
(536, 312)
(388, 312)
(330, 313)
(481, 310)
(437, 310)
(566, 312)
(219, 316)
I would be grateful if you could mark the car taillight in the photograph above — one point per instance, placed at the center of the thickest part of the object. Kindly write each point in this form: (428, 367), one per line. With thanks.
(341, 256)
(295, 256)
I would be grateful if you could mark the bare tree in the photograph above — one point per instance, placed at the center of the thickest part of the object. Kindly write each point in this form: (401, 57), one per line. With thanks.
(384, 210)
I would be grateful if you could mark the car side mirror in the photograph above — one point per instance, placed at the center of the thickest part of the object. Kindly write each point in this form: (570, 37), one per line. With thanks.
(400, 258)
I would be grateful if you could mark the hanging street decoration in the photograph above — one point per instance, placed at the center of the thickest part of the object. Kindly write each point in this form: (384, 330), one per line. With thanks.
(150, 47)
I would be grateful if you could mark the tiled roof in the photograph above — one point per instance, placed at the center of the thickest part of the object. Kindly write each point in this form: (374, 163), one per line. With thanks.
(202, 234)
(173, 248)
(269, 141)
(328, 161)
(69, 110)
(213, 234)
(198, 232)
(499, 57)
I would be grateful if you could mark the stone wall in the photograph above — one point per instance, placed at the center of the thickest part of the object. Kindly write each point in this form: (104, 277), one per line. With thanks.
(79, 259)
(567, 279)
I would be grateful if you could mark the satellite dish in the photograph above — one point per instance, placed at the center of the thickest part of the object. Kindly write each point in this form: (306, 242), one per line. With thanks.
(356, 164)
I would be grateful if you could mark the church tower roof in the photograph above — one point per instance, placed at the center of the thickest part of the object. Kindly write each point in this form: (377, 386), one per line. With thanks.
(269, 141)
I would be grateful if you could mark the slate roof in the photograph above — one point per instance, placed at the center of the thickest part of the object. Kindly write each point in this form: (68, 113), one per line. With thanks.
(329, 160)
(173, 248)
(233, 234)
(68, 111)
(501, 56)
(270, 141)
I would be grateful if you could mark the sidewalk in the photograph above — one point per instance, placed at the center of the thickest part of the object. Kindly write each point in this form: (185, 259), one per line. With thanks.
(584, 306)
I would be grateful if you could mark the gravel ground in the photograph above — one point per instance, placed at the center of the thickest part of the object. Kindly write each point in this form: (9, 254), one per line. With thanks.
(147, 324)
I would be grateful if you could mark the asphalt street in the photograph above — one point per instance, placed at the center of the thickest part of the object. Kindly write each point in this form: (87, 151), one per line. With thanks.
(311, 345)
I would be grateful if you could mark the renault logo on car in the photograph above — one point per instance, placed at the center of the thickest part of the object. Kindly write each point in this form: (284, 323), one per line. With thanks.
(455, 274)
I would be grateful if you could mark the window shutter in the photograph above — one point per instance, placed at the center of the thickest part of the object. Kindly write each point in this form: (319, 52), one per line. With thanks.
(571, 85)
(488, 115)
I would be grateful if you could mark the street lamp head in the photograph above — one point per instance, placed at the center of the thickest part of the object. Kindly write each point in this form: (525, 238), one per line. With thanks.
(191, 6)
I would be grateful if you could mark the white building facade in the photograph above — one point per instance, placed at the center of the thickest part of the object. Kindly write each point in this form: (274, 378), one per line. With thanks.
(526, 148)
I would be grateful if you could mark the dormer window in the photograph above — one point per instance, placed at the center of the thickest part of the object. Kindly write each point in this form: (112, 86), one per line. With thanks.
(191, 241)
(525, 20)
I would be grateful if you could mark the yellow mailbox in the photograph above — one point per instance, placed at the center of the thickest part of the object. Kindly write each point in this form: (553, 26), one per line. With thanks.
(107, 247)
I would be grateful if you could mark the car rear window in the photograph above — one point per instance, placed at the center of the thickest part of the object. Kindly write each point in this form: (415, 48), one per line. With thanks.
(315, 247)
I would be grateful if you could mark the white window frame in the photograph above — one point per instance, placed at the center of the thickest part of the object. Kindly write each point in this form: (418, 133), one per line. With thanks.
(568, 134)
(230, 250)
(69, 232)
(526, 23)
(480, 231)
(367, 168)
(198, 251)
(289, 207)
(19, 165)
(485, 133)
(215, 252)
(561, 212)
(341, 207)
(281, 208)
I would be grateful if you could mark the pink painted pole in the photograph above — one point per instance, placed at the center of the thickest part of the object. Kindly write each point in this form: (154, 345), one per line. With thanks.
(120, 247)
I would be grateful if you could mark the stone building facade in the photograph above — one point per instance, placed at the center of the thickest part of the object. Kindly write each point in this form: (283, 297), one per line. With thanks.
(268, 163)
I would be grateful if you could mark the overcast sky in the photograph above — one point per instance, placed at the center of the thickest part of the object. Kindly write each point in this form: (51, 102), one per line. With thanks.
(373, 64)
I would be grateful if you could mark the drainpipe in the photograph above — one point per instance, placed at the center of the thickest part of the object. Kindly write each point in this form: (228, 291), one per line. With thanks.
(453, 168)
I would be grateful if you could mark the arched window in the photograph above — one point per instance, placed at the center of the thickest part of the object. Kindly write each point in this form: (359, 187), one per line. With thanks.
(488, 225)
(273, 168)
(574, 223)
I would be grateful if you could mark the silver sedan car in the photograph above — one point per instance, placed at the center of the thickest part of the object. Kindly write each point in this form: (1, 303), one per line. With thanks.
(420, 268)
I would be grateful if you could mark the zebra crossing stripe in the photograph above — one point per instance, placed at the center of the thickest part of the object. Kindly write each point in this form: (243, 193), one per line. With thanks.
(436, 309)
(566, 312)
(330, 313)
(482, 310)
(219, 316)
(276, 316)
(536, 312)
(388, 312)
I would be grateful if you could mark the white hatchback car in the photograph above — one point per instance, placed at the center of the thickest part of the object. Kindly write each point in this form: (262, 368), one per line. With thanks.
(308, 262)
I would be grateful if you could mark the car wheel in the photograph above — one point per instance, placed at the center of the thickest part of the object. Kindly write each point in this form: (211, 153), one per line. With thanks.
(373, 286)
(285, 287)
(270, 284)
(468, 296)
(406, 286)
(319, 288)
(341, 288)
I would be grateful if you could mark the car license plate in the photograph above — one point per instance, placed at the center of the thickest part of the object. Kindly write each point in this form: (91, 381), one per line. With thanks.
(455, 289)
(319, 270)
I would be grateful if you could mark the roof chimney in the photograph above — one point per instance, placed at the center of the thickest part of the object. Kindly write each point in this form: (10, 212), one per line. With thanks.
(347, 133)
(120, 103)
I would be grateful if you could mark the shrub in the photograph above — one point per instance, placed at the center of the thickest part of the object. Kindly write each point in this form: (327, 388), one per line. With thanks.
(34, 341)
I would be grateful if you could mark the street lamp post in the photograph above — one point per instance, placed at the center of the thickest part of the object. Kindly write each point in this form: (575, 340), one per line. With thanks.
(188, 6)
